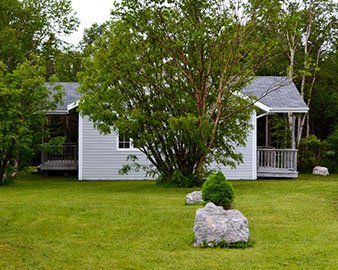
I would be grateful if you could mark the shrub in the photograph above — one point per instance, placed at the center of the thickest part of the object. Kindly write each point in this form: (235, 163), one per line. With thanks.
(314, 152)
(333, 154)
(176, 179)
(218, 190)
(310, 152)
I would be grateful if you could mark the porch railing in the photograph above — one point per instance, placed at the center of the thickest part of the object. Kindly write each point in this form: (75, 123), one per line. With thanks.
(277, 158)
(67, 154)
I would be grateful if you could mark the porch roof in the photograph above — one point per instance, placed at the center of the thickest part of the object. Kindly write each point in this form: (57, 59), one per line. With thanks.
(70, 94)
(278, 94)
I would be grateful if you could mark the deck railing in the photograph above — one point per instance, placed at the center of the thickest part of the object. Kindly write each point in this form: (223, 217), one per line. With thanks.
(68, 153)
(277, 158)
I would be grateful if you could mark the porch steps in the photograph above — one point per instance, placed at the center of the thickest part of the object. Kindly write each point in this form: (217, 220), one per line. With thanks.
(59, 165)
(266, 172)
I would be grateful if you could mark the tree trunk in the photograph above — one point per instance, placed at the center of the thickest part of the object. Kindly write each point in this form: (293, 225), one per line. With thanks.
(292, 45)
(3, 168)
(200, 173)
(307, 125)
(302, 88)
(15, 167)
(2, 176)
(308, 103)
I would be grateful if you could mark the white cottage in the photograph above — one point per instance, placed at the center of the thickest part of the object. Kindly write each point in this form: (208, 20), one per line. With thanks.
(100, 157)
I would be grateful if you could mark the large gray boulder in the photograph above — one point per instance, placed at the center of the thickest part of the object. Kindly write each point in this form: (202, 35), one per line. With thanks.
(194, 197)
(214, 225)
(318, 170)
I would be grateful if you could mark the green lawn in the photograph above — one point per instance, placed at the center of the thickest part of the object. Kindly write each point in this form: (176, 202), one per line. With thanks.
(60, 223)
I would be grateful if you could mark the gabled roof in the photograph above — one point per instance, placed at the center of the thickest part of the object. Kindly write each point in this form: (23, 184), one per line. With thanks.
(279, 94)
(273, 94)
(70, 94)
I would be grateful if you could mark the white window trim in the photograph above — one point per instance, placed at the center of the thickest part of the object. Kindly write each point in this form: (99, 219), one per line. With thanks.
(131, 148)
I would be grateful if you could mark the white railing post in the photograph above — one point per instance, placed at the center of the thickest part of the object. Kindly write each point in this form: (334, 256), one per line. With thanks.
(68, 153)
(277, 158)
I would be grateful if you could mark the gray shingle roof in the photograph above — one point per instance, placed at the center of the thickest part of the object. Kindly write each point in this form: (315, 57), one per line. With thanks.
(278, 93)
(70, 95)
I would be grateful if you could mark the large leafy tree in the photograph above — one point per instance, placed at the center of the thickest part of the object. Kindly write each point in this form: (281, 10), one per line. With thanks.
(165, 75)
(90, 36)
(33, 27)
(24, 99)
(30, 34)
(307, 30)
(66, 64)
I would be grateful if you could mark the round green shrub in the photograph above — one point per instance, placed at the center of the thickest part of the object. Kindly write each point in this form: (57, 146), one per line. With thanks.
(218, 190)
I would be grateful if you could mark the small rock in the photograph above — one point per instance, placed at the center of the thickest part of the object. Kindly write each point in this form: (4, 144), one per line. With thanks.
(318, 170)
(214, 225)
(194, 197)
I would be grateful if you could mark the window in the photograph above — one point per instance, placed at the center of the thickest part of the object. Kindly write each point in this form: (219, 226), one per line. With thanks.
(124, 142)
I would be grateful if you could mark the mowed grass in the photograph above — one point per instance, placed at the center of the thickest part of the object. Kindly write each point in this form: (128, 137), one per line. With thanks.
(60, 223)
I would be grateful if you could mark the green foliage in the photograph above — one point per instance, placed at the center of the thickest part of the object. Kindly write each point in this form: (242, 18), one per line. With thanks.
(280, 131)
(30, 32)
(32, 27)
(310, 152)
(91, 36)
(218, 190)
(314, 152)
(24, 99)
(332, 154)
(177, 179)
(324, 106)
(65, 64)
(64, 126)
(313, 23)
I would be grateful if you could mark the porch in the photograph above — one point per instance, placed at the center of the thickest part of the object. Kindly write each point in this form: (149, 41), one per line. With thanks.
(64, 160)
(276, 163)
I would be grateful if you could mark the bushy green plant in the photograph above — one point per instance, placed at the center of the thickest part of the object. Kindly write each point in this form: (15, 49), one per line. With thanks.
(218, 190)
(332, 155)
(310, 152)
(314, 152)
(177, 179)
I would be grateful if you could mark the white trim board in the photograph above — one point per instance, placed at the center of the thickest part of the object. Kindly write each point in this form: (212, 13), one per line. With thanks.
(73, 105)
(80, 149)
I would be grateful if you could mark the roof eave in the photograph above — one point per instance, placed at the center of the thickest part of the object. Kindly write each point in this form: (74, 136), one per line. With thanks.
(261, 106)
(73, 105)
(57, 112)
(258, 104)
(289, 110)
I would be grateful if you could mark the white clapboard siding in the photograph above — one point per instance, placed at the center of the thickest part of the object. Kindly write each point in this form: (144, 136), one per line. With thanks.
(248, 169)
(100, 159)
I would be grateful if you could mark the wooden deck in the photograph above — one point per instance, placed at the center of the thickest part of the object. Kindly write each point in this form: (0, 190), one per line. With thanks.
(277, 163)
(65, 160)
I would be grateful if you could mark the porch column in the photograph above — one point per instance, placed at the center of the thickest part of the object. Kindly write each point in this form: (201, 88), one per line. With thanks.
(267, 130)
(293, 131)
